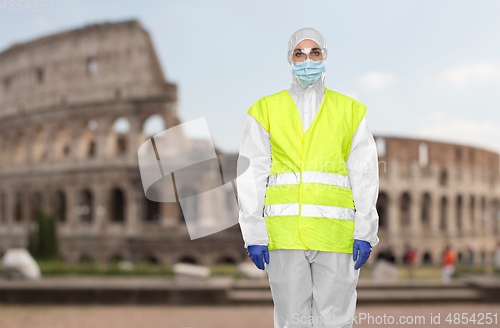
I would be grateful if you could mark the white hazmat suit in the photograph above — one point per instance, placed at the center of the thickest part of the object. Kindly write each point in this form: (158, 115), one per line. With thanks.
(310, 288)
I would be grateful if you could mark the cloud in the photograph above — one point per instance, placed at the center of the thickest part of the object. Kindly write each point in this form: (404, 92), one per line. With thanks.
(470, 74)
(482, 134)
(377, 80)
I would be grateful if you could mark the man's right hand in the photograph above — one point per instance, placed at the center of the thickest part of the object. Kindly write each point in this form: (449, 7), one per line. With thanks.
(257, 253)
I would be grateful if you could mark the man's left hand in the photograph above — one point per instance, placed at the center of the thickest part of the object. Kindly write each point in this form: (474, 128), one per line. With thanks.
(364, 249)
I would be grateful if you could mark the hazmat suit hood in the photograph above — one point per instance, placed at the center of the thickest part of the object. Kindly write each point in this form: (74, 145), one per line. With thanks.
(307, 99)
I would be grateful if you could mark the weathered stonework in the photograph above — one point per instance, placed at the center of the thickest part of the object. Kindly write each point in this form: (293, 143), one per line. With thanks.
(452, 198)
(59, 98)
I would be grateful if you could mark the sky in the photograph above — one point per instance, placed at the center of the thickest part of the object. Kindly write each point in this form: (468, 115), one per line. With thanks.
(424, 69)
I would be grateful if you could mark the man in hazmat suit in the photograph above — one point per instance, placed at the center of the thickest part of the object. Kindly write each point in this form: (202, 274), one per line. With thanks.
(308, 195)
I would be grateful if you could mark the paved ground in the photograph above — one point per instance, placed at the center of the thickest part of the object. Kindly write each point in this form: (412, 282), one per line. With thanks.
(217, 317)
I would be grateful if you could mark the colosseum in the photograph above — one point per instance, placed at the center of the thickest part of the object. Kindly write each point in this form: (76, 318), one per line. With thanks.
(74, 110)
(75, 107)
(434, 194)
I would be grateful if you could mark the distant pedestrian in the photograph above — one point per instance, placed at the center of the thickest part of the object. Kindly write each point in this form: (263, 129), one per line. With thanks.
(411, 258)
(449, 258)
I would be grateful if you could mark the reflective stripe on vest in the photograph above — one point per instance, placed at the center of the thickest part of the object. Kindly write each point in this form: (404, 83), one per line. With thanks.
(309, 210)
(310, 177)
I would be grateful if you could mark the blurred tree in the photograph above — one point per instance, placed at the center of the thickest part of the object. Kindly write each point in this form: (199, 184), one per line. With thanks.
(42, 241)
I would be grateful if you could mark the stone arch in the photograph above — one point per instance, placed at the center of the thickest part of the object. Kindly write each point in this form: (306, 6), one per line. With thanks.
(426, 210)
(85, 206)
(152, 125)
(36, 205)
(495, 216)
(459, 212)
(39, 147)
(404, 206)
(40, 74)
(382, 209)
(18, 207)
(483, 213)
(472, 214)
(3, 207)
(226, 259)
(443, 178)
(117, 205)
(62, 142)
(387, 253)
(119, 136)
(4, 159)
(59, 205)
(20, 148)
(152, 209)
(88, 139)
(190, 259)
(443, 214)
(427, 258)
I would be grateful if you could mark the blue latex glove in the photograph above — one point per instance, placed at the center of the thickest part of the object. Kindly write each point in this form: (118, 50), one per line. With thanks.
(257, 253)
(364, 249)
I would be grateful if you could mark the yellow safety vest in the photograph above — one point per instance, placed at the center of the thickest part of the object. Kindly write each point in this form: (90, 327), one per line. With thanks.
(309, 202)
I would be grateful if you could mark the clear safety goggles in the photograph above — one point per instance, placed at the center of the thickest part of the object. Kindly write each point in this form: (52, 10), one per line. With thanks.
(301, 54)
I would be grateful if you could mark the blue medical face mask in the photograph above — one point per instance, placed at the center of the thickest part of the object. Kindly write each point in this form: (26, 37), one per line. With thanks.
(308, 71)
